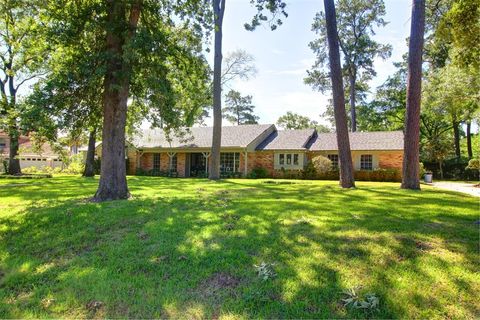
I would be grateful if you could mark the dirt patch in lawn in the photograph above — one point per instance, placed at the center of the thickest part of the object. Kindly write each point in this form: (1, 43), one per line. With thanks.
(218, 285)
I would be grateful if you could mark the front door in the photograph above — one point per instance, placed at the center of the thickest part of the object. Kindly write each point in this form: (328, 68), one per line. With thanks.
(197, 165)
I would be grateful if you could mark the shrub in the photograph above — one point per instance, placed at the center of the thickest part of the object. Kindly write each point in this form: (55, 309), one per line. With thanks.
(473, 164)
(309, 173)
(74, 168)
(288, 174)
(381, 175)
(322, 164)
(258, 173)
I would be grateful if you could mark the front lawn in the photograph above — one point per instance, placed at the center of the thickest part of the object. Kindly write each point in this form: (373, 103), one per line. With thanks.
(188, 248)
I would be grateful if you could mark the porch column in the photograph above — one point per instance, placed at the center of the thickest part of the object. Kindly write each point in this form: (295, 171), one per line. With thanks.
(170, 156)
(245, 161)
(206, 155)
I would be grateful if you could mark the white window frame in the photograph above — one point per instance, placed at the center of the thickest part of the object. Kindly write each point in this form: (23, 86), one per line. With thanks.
(366, 164)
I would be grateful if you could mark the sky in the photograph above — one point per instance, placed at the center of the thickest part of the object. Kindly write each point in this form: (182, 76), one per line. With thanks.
(282, 57)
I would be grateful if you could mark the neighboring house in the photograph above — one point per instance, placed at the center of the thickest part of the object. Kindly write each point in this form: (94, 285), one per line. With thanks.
(246, 147)
(29, 157)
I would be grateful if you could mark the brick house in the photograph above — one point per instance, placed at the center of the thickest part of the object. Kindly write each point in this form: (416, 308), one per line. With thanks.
(249, 146)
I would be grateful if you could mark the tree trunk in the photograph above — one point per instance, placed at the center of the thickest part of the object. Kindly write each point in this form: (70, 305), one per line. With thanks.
(440, 166)
(13, 161)
(469, 140)
(456, 137)
(90, 159)
(411, 157)
(214, 170)
(113, 180)
(344, 153)
(353, 111)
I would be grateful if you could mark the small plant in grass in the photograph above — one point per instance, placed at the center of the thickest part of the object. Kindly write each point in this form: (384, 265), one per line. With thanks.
(265, 271)
(355, 299)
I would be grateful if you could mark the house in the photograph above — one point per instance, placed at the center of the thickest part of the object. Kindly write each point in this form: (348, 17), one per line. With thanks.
(246, 147)
(29, 155)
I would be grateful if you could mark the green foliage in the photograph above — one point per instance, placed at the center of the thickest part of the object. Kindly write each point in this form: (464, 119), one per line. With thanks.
(386, 111)
(381, 175)
(239, 109)
(321, 164)
(356, 21)
(460, 28)
(473, 164)
(294, 121)
(355, 299)
(265, 271)
(309, 172)
(258, 173)
(275, 7)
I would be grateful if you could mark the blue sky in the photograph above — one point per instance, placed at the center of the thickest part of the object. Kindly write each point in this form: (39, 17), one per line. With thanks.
(283, 56)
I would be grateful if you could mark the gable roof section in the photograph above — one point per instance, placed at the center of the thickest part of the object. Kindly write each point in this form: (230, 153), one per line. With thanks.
(378, 140)
(288, 140)
(201, 137)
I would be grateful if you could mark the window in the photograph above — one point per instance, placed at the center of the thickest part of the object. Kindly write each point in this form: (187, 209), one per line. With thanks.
(289, 159)
(295, 159)
(229, 162)
(366, 162)
(156, 161)
(173, 163)
(3, 144)
(334, 159)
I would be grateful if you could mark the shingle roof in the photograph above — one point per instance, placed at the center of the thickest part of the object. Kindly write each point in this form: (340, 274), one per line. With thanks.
(201, 137)
(379, 140)
(287, 140)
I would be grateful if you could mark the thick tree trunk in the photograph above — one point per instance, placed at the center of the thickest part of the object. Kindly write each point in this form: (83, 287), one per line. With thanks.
(456, 139)
(353, 111)
(214, 169)
(113, 180)
(344, 154)
(469, 140)
(90, 159)
(13, 161)
(411, 157)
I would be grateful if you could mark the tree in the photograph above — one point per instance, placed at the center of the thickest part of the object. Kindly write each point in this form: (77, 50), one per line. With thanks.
(343, 142)
(294, 121)
(386, 111)
(411, 158)
(152, 65)
(356, 21)
(456, 91)
(238, 64)
(273, 6)
(214, 170)
(21, 56)
(239, 110)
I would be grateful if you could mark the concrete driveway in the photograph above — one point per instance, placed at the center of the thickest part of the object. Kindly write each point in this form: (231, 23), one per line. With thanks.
(463, 187)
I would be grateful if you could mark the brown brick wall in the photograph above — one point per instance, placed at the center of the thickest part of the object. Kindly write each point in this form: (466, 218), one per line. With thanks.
(164, 161)
(146, 161)
(264, 159)
(390, 160)
(132, 161)
(181, 160)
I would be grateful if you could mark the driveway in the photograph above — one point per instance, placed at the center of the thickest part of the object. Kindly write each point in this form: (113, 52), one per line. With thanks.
(467, 188)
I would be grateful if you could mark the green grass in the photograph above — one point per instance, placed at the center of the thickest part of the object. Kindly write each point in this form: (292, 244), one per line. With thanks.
(186, 248)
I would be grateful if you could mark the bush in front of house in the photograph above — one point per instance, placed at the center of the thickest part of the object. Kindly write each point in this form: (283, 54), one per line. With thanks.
(258, 173)
(322, 164)
(380, 175)
(288, 174)
(309, 173)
